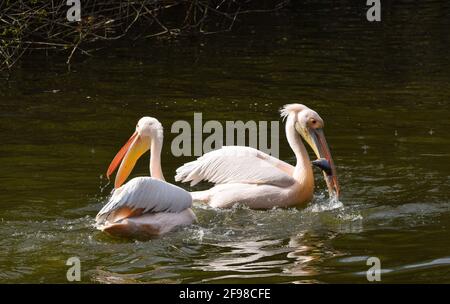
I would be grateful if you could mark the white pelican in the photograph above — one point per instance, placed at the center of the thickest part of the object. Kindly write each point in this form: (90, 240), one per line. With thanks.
(258, 180)
(146, 206)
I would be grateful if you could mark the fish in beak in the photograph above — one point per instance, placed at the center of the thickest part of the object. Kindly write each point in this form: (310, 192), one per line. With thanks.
(323, 165)
(316, 139)
(127, 157)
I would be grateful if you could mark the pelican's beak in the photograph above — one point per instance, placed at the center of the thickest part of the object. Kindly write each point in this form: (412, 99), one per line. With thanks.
(316, 139)
(127, 157)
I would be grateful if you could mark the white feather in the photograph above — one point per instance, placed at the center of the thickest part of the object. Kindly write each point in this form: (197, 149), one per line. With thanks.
(291, 109)
(236, 164)
(149, 194)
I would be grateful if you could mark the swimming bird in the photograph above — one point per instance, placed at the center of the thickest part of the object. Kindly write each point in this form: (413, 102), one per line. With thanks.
(144, 206)
(260, 181)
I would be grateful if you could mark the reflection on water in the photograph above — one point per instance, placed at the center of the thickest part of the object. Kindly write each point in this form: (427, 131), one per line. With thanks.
(382, 90)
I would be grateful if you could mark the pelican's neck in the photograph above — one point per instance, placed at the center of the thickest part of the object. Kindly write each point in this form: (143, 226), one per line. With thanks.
(155, 158)
(303, 172)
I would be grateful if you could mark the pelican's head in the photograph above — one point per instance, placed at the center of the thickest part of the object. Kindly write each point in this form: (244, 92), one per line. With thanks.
(310, 126)
(148, 132)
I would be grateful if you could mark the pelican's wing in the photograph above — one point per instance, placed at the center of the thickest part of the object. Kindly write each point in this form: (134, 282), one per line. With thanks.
(283, 166)
(145, 194)
(235, 164)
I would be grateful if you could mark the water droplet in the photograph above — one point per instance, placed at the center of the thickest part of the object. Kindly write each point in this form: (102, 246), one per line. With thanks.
(365, 148)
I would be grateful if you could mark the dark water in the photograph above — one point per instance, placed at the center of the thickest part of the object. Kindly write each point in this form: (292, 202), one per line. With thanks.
(382, 89)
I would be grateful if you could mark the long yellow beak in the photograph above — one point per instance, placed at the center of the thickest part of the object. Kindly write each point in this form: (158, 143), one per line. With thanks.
(316, 139)
(321, 149)
(127, 158)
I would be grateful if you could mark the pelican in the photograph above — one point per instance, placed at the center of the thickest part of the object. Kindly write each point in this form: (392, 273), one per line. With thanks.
(258, 180)
(145, 206)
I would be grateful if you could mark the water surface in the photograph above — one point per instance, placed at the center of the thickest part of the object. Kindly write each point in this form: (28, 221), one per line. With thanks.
(382, 89)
